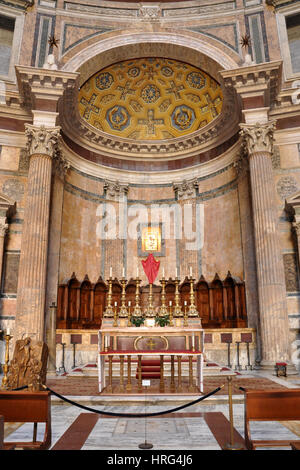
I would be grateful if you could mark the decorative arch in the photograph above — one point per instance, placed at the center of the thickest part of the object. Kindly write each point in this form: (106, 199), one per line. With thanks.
(113, 47)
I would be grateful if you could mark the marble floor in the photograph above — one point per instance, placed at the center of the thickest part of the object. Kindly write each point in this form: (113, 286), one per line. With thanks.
(197, 427)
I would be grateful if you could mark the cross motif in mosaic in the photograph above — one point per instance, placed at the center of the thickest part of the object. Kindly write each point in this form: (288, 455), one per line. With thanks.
(89, 106)
(125, 90)
(151, 122)
(176, 89)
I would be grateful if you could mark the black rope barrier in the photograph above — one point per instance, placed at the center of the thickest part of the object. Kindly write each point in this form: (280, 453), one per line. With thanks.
(133, 415)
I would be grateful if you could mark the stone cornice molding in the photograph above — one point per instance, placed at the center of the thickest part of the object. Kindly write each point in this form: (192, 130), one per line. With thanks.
(150, 12)
(186, 189)
(43, 84)
(256, 80)
(22, 3)
(115, 190)
(258, 137)
(204, 169)
(42, 140)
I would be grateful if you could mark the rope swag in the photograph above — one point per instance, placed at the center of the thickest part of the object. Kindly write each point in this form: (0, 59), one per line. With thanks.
(133, 415)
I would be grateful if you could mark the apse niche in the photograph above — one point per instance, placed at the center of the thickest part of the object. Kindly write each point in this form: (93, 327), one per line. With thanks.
(150, 99)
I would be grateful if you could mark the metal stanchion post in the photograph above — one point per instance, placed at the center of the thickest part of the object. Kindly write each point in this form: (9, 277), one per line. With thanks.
(238, 366)
(231, 445)
(145, 445)
(248, 356)
(74, 352)
(228, 355)
(62, 369)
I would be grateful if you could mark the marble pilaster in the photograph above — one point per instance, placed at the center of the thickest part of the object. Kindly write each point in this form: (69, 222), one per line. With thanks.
(60, 168)
(270, 272)
(3, 232)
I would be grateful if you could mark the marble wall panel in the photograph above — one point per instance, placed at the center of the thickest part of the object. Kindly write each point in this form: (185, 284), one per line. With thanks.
(222, 238)
(80, 247)
(289, 156)
(9, 158)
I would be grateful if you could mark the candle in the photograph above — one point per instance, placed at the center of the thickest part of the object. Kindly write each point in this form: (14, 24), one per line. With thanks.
(137, 272)
(116, 303)
(176, 272)
(193, 341)
(191, 272)
(170, 303)
(163, 272)
(8, 331)
(129, 303)
(123, 272)
(185, 302)
(110, 272)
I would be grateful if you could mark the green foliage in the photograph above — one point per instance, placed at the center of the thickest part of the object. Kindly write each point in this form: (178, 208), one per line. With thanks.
(137, 321)
(162, 321)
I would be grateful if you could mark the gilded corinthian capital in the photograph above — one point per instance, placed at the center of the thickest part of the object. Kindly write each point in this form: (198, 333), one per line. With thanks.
(42, 140)
(258, 137)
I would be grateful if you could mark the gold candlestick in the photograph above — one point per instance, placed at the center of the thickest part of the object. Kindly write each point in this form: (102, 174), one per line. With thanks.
(192, 308)
(149, 311)
(123, 310)
(4, 384)
(109, 312)
(115, 316)
(177, 309)
(185, 320)
(137, 311)
(163, 308)
(129, 316)
(171, 315)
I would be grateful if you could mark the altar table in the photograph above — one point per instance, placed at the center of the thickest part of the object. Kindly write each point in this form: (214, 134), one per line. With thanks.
(131, 342)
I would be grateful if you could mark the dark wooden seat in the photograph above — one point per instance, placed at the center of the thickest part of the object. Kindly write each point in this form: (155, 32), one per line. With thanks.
(1, 433)
(270, 405)
(27, 407)
(295, 445)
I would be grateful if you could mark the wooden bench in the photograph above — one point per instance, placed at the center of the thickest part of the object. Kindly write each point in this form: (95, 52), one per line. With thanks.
(27, 407)
(1, 432)
(270, 405)
(295, 445)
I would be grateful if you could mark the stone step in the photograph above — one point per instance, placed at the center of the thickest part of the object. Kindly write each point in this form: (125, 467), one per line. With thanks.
(91, 370)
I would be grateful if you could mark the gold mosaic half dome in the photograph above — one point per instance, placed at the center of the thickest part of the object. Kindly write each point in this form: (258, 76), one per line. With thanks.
(150, 99)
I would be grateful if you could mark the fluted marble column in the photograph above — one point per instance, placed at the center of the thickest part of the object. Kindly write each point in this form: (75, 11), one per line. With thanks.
(270, 272)
(43, 147)
(3, 232)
